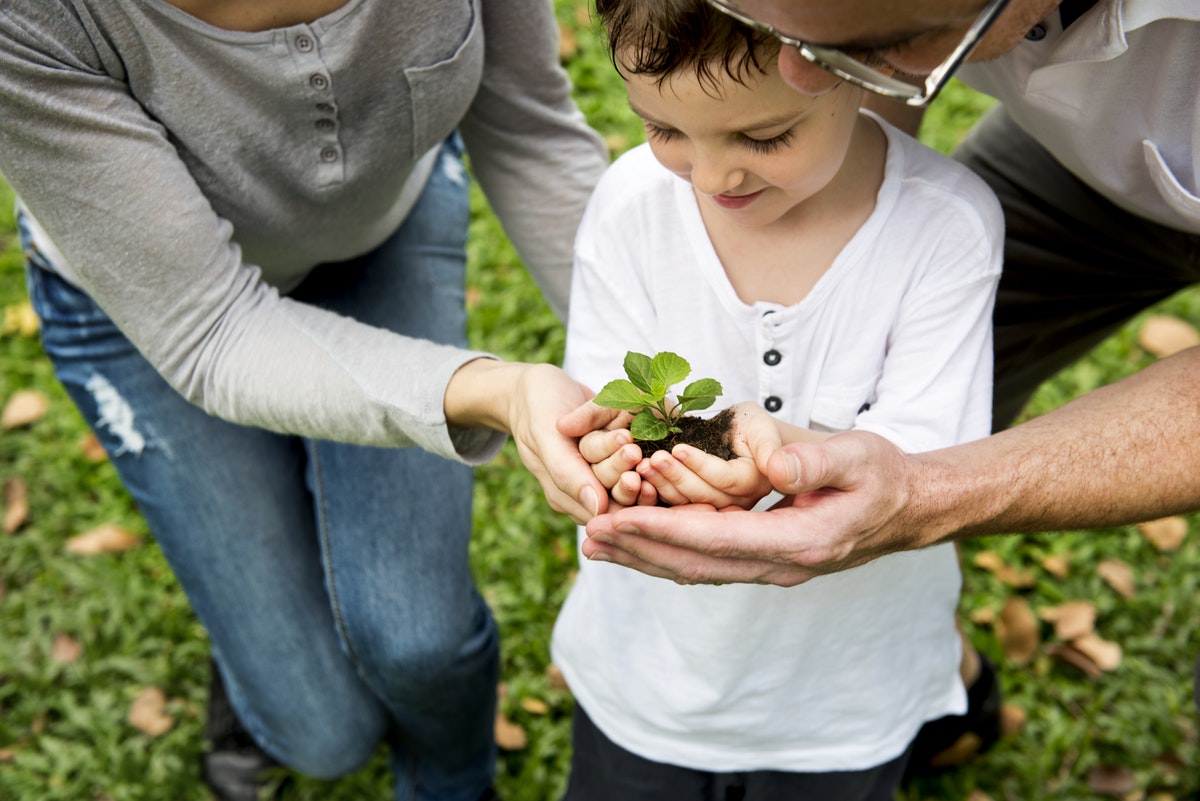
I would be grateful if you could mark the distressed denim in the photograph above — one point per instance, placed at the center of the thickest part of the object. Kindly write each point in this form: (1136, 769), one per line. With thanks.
(333, 580)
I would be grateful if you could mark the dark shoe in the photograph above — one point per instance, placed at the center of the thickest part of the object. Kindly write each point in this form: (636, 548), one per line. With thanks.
(950, 741)
(235, 768)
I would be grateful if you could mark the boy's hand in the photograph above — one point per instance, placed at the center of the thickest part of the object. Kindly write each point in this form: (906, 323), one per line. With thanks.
(689, 475)
(610, 450)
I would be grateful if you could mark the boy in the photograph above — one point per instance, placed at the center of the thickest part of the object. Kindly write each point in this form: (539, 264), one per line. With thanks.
(823, 265)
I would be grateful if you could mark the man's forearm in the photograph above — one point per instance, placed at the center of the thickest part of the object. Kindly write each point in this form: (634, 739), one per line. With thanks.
(1121, 454)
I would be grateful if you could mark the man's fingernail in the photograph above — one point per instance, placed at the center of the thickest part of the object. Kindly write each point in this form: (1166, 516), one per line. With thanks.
(791, 467)
(599, 556)
(587, 497)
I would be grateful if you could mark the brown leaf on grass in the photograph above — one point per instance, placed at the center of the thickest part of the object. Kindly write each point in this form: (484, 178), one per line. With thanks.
(983, 616)
(557, 680)
(1072, 619)
(1017, 628)
(978, 795)
(1012, 719)
(1107, 655)
(24, 407)
(91, 448)
(1115, 780)
(509, 736)
(1056, 565)
(20, 319)
(16, 505)
(7, 755)
(107, 538)
(66, 649)
(568, 45)
(535, 706)
(1118, 575)
(148, 712)
(1166, 534)
(1163, 336)
(1065, 652)
(1005, 573)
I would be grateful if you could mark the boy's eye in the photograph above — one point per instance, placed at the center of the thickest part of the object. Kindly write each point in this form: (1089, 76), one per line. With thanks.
(768, 145)
(656, 132)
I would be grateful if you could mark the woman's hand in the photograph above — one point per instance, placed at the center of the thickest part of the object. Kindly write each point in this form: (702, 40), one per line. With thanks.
(526, 401)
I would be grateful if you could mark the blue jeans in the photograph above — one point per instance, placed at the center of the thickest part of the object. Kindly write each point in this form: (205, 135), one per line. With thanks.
(333, 579)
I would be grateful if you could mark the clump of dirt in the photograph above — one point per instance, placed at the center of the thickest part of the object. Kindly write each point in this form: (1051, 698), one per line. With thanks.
(711, 435)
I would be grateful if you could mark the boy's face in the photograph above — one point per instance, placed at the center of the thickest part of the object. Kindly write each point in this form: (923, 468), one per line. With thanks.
(755, 152)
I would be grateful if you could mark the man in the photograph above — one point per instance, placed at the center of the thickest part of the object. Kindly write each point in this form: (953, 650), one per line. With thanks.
(1093, 153)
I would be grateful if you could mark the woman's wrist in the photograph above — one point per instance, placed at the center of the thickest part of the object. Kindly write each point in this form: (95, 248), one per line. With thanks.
(480, 392)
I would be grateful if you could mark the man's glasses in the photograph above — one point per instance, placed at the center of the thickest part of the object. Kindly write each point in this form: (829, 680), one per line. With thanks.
(856, 71)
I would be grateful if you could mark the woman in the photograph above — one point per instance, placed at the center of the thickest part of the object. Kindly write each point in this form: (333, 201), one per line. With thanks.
(245, 228)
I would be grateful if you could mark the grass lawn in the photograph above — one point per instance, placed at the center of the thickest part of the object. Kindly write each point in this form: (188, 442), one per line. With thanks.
(83, 636)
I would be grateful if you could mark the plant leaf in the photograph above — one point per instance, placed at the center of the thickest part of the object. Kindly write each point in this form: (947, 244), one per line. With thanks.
(699, 395)
(649, 426)
(638, 368)
(622, 395)
(669, 368)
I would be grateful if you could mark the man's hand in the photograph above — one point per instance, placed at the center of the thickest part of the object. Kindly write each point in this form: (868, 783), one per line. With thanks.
(846, 506)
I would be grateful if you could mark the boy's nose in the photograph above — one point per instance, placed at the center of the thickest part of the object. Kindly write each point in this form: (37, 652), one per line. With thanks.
(713, 176)
(803, 75)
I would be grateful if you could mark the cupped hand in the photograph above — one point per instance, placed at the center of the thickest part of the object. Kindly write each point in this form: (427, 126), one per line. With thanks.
(848, 504)
(543, 395)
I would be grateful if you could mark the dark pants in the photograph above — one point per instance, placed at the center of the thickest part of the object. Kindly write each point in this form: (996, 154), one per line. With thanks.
(603, 771)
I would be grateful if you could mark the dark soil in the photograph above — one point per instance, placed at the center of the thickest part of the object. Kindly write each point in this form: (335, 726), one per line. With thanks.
(710, 435)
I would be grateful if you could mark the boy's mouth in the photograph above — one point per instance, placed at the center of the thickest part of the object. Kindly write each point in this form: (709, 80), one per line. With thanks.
(735, 202)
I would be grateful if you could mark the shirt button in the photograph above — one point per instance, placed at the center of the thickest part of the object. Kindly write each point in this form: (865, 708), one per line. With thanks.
(325, 125)
(325, 108)
(329, 154)
(318, 82)
(1037, 33)
(773, 404)
(772, 357)
(304, 43)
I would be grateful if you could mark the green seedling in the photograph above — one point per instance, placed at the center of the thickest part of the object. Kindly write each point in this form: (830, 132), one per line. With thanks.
(646, 394)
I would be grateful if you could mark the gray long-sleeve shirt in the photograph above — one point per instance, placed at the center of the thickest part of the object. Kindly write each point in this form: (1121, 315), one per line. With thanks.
(189, 175)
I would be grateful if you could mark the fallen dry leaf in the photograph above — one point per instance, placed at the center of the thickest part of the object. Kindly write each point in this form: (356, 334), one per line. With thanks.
(7, 754)
(1072, 619)
(1012, 719)
(535, 706)
(509, 736)
(557, 680)
(963, 750)
(1065, 652)
(1106, 654)
(107, 538)
(20, 319)
(148, 713)
(91, 448)
(984, 616)
(16, 505)
(990, 561)
(1166, 534)
(1163, 336)
(24, 407)
(1057, 566)
(568, 45)
(1017, 628)
(66, 649)
(1118, 575)
(978, 795)
(1114, 780)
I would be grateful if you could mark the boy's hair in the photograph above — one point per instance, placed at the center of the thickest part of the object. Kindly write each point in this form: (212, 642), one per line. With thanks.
(661, 37)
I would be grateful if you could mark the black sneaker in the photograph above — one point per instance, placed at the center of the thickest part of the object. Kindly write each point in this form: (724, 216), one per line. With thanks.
(235, 768)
